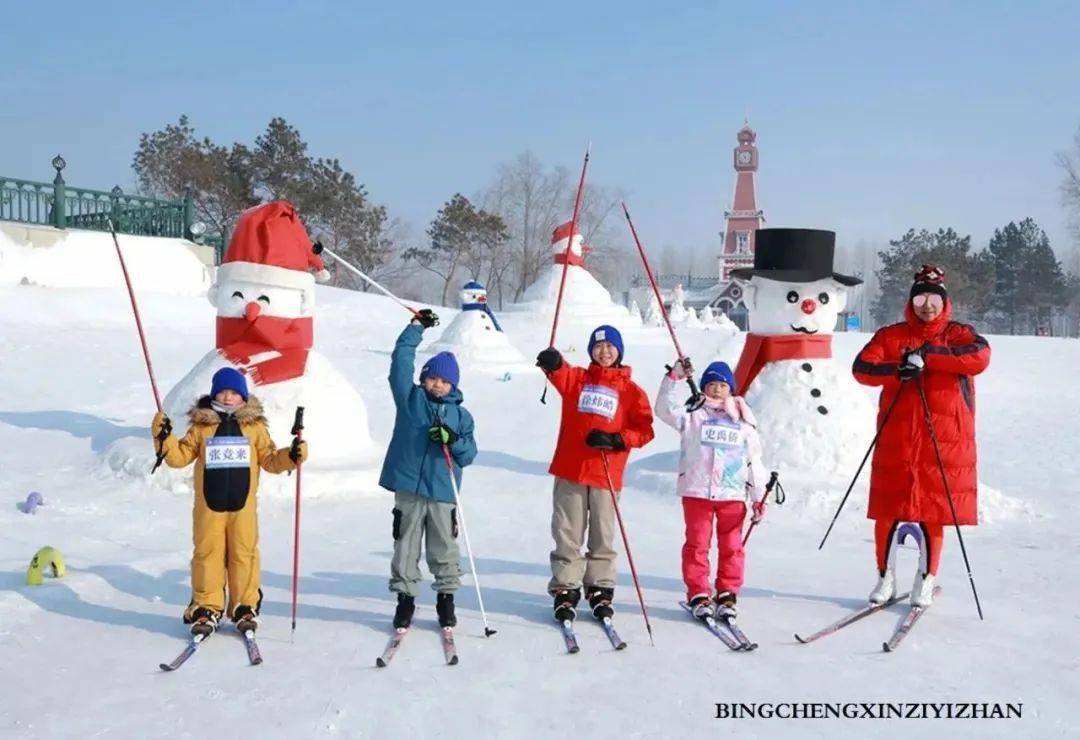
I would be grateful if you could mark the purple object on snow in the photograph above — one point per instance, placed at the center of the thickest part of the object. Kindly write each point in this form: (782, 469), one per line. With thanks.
(33, 501)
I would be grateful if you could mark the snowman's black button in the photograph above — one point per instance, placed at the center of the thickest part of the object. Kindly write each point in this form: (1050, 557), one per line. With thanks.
(822, 410)
(815, 393)
(807, 366)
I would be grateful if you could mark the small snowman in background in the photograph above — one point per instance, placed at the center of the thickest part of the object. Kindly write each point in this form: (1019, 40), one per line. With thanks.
(812, 415)
(264, 294)
(474, 336)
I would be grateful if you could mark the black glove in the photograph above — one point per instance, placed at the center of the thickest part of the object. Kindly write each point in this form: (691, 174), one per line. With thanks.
(295, 450)
(442, 434)
(426, 318)
(605, 440)
(911, 365)
(549, 360)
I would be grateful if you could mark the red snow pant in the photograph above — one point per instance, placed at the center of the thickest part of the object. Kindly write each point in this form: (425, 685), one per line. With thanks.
(935, 538)
(699, 514)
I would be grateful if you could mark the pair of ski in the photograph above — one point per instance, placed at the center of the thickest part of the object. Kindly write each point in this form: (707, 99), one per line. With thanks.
(253, 653)
(725, 629)
(913, 615)
(570, 637)
(448, 646)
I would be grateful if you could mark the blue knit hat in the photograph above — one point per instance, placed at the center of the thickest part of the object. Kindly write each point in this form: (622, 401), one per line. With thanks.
(443, 365)
(718, 372)
(473, 285)
(229, 379)
(606, 333)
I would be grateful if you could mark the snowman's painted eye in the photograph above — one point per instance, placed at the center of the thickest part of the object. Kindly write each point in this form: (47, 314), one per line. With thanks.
(823, 298)
(792, 297)
(238, 294)
(264, 299)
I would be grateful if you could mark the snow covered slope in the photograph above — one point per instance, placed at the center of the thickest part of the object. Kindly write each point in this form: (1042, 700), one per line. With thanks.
(80, 654)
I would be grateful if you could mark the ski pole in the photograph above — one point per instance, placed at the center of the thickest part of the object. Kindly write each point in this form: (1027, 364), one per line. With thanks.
(319, 248)
(948, 493)
(626, 544)
(774, 480)
(297, 432)
(873, 443)
(566, 264)
(166, 429)
(696, 399)
(488, 631)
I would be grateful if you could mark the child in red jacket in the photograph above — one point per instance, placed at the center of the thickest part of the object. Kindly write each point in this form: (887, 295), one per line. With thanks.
(603, 413)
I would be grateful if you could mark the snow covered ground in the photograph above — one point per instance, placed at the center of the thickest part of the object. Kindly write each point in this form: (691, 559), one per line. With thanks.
(80, 654)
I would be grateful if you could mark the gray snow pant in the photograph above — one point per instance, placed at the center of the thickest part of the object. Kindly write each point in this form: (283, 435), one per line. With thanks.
(579, 509)
(416, 518)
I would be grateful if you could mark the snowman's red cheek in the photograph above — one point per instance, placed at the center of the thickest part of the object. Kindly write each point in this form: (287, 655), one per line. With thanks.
(808, 306)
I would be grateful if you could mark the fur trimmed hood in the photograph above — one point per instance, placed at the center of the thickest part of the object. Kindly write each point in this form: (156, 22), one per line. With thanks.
(251, 412)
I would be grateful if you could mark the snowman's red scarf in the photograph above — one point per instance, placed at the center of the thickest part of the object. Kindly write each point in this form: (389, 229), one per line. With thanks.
(238, 339)
(572, 257)
(761, 349)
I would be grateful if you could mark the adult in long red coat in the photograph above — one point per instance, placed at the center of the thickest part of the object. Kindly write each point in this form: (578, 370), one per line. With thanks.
(928, 350)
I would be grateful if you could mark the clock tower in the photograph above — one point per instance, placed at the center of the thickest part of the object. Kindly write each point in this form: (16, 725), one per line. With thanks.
(745, 216)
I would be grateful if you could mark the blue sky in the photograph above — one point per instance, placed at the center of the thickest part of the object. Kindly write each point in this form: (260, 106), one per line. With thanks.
(872, 117)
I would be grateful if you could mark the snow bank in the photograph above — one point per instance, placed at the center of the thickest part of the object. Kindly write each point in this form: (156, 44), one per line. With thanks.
(88, 259)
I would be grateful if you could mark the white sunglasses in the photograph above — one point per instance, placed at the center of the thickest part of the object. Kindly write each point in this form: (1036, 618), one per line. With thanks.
(932, 298)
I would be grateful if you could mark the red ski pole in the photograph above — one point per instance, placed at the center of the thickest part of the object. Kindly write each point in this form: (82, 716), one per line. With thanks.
(695, 394)
(297, 431)
(166, 429)
(138, 320)
(774, 480)
(626, 544)
(566, 264)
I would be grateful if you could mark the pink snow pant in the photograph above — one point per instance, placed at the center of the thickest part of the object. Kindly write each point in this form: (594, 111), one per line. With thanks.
(699, 513)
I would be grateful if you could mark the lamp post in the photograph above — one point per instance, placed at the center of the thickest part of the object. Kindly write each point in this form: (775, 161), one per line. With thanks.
(58, 217)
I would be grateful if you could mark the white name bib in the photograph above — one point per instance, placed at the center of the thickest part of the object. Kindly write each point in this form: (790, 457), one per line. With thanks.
(599, 400)
(721, 434)
(227, 452)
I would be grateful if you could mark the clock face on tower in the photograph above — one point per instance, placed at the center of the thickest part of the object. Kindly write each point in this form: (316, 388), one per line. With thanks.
(744, 157)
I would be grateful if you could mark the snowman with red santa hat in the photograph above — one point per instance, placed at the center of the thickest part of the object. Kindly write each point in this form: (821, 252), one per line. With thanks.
(813, 417)
(264, 293)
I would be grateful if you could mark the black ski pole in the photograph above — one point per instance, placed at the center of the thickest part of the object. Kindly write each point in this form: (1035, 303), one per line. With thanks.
(873, 443)
(948, 494)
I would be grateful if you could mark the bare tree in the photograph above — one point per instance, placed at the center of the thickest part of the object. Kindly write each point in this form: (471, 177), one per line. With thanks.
(532, 201)
(1070, 185)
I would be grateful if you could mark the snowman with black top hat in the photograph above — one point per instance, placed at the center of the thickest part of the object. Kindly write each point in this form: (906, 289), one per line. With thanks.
(812, 416)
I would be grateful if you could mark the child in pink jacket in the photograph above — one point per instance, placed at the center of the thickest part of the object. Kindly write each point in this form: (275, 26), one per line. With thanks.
(719, 467)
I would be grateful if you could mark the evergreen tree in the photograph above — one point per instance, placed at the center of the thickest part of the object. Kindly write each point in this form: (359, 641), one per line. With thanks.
(461, 236)
(1029, 282)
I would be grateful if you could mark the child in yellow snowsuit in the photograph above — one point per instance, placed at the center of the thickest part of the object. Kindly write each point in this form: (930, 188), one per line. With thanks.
(228, 441)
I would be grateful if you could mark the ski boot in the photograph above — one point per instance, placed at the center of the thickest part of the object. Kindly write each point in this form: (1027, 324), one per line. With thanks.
(600, 599)
(246, 619)
(725, 604)
(203, 621)
(406, 607)
(444, 607)
(922, 593)
(701, 607)
(565, 604)
(885, 589)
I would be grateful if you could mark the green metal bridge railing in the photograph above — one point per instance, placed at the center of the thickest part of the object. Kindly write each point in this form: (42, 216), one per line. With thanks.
(62, 206)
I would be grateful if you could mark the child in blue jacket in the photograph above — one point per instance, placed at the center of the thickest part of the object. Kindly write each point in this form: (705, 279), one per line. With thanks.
(429, 415)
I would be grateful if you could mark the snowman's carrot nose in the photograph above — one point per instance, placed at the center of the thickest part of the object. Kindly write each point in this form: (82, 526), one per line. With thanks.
(808, 306)
(251, 311)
